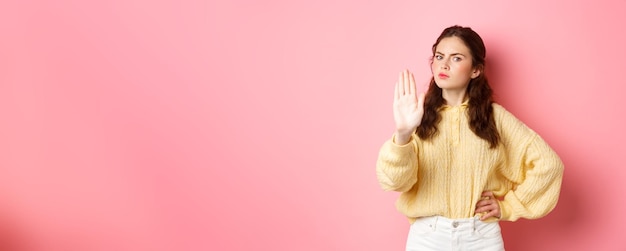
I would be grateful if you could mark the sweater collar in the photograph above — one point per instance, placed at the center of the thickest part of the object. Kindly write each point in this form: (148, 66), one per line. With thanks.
(462, 105)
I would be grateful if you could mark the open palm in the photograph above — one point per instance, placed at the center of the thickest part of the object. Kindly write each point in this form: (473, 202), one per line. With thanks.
(408, 107)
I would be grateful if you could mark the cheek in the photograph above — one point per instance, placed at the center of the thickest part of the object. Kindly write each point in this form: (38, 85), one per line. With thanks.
(464, 68)
(433, 66)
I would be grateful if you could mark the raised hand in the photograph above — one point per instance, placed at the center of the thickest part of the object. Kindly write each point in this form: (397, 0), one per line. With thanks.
(408, 107)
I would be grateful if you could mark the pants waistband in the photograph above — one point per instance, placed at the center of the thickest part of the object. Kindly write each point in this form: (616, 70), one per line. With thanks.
(447, 223)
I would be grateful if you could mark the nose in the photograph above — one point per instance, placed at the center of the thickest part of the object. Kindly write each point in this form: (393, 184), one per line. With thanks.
(444, 65)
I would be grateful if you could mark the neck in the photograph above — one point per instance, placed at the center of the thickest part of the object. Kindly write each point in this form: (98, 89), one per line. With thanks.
(454, 97)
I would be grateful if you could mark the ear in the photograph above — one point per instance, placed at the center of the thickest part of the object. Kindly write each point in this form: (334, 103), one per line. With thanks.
(477, 71)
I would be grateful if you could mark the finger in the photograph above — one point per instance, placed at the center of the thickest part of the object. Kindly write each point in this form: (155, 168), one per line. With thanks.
(489, 215)
(412, 84)
(483, 203)
(401, 83)
(487, 194)
(487, 204)
(491, 210)
(406, 80)
(486, 210)
(492, 213)
(405, 83)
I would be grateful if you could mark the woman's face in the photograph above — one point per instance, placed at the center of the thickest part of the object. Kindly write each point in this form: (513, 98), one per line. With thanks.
(452, 64)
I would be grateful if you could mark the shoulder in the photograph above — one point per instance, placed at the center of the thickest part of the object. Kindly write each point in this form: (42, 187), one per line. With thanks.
(500, 113)
(507, 123)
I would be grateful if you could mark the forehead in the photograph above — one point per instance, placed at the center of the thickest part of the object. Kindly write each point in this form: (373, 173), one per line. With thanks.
(452, 45)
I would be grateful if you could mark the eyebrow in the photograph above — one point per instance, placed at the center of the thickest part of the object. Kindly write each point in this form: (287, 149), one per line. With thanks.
(453, 54)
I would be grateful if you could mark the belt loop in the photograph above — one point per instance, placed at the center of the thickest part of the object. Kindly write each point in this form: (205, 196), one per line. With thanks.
(474, 219)
(435, 223)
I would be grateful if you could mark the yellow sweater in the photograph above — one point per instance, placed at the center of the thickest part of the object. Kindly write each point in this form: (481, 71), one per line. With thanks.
(446, 174)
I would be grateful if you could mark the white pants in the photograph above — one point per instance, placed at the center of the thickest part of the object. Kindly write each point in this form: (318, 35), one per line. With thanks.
(441, 233)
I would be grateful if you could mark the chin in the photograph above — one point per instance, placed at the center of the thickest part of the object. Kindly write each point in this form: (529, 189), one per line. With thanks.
(449, 86)
(442, 84)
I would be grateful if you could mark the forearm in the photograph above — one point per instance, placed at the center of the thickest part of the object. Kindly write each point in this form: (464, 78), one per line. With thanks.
(539, 192)
(396, 168)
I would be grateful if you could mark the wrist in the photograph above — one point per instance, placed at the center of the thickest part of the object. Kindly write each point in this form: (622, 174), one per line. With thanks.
(401, 138)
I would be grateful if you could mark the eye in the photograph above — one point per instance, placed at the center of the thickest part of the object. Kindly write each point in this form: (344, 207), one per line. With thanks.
(438, 57)
(456, 59)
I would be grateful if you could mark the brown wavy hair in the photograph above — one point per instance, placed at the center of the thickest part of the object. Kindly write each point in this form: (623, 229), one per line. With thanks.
(480, 94)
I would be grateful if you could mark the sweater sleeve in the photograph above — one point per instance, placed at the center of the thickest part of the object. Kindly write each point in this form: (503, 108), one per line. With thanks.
(396, 167)
(533, 170)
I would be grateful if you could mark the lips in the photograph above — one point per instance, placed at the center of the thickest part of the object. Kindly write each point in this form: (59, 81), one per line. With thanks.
(443, 76)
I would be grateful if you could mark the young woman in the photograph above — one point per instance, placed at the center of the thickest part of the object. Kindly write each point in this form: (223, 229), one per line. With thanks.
(462, 162)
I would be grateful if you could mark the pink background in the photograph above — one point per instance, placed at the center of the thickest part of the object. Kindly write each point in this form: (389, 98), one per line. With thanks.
(255, 125)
